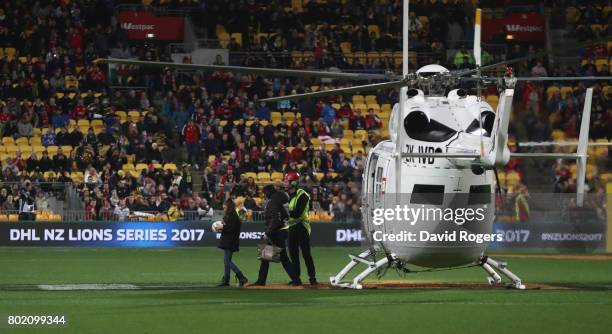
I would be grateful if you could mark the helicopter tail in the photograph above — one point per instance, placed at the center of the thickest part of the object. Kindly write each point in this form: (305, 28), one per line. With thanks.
(497, 154)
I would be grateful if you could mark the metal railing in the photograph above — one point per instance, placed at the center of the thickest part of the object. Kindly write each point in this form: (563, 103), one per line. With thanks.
(157, 10)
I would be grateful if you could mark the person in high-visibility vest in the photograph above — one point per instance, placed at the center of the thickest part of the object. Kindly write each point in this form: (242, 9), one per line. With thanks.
(299, 226)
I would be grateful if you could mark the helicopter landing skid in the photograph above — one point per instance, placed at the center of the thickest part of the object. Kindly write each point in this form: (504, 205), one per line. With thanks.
(361, 258)
(489, 265)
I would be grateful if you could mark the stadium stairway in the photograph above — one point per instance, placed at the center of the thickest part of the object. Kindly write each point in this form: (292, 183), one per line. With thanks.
(197, 179)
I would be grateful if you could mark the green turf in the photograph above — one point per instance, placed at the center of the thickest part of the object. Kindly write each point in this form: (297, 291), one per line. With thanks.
(183, 300)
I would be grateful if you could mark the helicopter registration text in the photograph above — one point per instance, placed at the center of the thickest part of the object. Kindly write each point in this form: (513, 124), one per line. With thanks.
(422, 149)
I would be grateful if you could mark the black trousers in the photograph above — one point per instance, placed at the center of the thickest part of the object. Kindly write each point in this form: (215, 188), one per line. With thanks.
(278, 239)
(299, 239)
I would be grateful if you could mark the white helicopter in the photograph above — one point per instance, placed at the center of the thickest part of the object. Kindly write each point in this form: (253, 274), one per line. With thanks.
(442, 153)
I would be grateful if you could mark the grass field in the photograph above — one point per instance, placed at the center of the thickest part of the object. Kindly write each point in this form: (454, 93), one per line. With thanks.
(177, 295)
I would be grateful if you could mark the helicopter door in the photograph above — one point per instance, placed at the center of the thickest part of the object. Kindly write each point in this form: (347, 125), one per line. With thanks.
(371, 177)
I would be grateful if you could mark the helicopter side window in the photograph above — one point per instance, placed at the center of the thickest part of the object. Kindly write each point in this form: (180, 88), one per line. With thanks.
(429, 194)
(418, 126)
(480, 195)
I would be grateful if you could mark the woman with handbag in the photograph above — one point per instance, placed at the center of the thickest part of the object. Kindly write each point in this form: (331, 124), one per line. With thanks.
(230, 240)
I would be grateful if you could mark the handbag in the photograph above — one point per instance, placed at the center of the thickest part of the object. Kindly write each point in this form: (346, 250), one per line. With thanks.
(269, 252)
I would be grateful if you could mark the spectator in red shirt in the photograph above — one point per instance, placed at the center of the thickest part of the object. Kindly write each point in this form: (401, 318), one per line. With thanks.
(5, 117)
(79, 111)
(191, 136)
(297, 154)
(90, 210)
(372, 122)
(345, 111)
(76, 39)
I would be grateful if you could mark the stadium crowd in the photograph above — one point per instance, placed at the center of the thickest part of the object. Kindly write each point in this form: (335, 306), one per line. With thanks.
(139, 148)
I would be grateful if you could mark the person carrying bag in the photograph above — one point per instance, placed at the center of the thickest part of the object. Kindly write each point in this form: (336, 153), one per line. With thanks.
(276, 215)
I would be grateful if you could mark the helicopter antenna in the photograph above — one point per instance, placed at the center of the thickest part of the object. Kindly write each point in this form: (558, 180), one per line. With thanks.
(402, 97)
(478, 61)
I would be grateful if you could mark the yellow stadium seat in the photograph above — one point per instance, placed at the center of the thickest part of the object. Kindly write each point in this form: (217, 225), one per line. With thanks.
(251, 174)
(238, 37)
(361, 56)
(558, 135)
(601, 64)
(35, 140)
(289, 116)
(10, 53)
(346, 47)
(374, 106)
(263, 177)
(347, 150)
(49, 175)
(362, 107)
(77, 176)
(276, 176)
(373, 56)
(550, 91)
(97, 123)
(122, 114)
(139, 167)
(8, 141)
(361, 134)
(66, 149)
(566, 90)
(22, 141)
(375, 29)
(170, 166)
(11, 149)
(297, 56)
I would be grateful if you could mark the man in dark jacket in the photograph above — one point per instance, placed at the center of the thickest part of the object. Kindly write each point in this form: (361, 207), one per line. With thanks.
(276, 215)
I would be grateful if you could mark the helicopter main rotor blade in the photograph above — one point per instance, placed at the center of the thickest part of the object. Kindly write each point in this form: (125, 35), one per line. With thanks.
(249, 70)
(339, 91)
(585, 78)
(530, 57)
(589, 78)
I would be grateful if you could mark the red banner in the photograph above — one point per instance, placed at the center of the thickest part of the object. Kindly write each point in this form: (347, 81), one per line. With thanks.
(144, 25)
(521, 27)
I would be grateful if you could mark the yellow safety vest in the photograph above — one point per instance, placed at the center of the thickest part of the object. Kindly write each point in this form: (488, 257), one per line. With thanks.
(303, 218)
